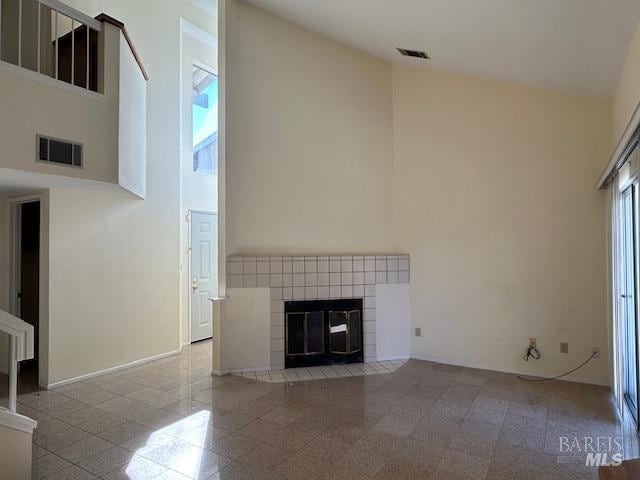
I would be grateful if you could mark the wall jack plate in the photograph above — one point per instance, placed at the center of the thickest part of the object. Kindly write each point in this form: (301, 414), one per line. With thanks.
(595, 351)
(532, 342)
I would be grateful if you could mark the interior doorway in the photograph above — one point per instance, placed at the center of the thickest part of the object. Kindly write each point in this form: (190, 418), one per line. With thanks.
(25, 217)
(199, 182)
(204, 279)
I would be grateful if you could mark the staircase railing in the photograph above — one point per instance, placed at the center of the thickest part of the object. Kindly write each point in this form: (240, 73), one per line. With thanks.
(21, 348)
(51, 38)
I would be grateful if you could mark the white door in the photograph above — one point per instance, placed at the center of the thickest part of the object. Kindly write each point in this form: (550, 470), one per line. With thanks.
(204, 273)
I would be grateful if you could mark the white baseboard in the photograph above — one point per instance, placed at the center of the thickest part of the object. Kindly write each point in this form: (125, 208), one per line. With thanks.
(87, 376)
(569, 378)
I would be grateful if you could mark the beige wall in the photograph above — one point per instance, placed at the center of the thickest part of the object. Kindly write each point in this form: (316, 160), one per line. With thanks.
(15, 454)
(89, 119)
(310, 140)
(99, 321)
(493, 189)
(495, 201)
(627, 95)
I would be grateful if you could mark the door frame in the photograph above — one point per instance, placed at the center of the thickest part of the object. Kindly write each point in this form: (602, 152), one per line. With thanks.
(189, 270)
(14, 231)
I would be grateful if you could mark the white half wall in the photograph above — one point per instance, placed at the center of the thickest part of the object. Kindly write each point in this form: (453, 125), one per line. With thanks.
(393, 322)
(132, 123)
(16, 453)
(245, 317)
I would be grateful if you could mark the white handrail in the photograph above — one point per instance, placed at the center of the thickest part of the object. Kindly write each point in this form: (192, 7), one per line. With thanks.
(21, 335)
(73, 13)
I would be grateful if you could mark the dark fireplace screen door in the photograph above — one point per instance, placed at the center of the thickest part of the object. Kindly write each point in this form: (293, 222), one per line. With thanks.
(323, 332)
(344, 331)
(305, 333)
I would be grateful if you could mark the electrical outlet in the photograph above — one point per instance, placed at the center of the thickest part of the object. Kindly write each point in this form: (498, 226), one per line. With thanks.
(595, 351)
(532, 342)
(564, 347)
(418, 331)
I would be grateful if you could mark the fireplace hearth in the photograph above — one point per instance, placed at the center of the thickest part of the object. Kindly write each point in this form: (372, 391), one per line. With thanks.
(323, 332)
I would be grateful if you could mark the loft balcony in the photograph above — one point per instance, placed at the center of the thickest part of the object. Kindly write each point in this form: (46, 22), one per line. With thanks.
(72, 100)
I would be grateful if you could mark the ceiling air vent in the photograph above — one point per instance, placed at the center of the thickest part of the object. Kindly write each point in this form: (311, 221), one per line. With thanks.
(414, 53)
(62, 152)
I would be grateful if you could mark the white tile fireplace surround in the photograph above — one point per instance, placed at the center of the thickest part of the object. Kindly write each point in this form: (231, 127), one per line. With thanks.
(381, 280)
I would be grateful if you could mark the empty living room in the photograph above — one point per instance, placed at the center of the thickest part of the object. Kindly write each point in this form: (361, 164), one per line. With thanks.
(319, 240)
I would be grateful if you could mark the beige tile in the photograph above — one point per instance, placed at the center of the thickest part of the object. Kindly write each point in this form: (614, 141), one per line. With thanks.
(234, 445)
(155, 398)
(425, 420)
(48, 464)
(283, 415)
(106, 461)
(123, 432)
(138, 468)
(121, 387)
(325, 449)
(455, 462)
(59, 438)
(101, 423)
(77, 391)
(366, 462)
(83, 415)
(149, 441)
(187, 459)
(401, 470)
(229, 420)
(72, 473)
(85, 448)
(98, 397)
(396, 426)
(126, 407)
(42, 402)
(266, 456)
(300, 466)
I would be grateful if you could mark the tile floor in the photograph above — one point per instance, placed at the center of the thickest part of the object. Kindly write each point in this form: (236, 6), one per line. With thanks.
(322, 373)
(171, 420)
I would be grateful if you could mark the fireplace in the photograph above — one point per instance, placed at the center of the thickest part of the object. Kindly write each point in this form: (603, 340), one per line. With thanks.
(323, 332)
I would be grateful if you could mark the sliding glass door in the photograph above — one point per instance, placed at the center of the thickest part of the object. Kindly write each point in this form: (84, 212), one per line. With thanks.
(628, 317)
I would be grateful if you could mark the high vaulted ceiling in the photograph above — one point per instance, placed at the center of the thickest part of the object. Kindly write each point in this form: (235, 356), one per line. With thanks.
(576, 45)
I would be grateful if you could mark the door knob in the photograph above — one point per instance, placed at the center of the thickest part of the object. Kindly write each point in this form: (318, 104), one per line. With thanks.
(194, 283)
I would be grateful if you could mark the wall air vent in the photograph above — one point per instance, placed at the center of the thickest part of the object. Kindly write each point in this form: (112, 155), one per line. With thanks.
(61, 152)
(414, 53)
